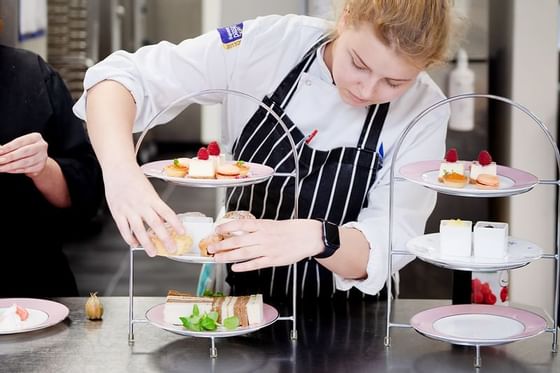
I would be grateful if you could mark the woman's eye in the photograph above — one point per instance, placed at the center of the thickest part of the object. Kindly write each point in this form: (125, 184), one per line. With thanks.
(358, 66)
(391, 84)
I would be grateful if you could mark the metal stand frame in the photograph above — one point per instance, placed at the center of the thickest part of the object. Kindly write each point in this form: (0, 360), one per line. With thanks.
(555, 257)
(181, 104)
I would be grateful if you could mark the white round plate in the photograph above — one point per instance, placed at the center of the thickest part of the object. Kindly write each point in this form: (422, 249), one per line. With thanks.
(512, 180)
(478, 324)
(520, 253)
(42, 313)
(155, 316)
(257, 174)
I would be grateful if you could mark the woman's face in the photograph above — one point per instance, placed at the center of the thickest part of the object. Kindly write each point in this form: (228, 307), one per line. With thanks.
(366, 71)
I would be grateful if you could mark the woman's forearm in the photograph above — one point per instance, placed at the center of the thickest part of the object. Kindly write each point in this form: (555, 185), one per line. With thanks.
(52, 184)
(351, 259)
(110, 114)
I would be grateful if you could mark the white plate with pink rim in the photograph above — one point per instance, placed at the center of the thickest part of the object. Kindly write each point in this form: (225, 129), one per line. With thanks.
(194, 258)
(155, 316)
(512, 181)
(42, 313)
(257, 174)
(478, 324)
(519, 253)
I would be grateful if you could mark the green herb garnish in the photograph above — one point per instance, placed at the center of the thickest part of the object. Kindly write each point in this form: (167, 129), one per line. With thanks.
(176, 163)
(210, 293)
(231, 323)
(208, 321)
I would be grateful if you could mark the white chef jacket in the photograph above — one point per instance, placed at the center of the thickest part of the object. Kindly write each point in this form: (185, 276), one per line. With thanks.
(253, 58)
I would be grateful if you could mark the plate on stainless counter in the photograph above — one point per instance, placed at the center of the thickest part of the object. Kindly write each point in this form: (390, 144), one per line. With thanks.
(155, 316)
(478, 324)
(42, 314)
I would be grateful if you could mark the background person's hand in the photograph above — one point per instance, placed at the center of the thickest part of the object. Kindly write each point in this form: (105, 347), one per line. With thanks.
(26, 154)
(134, 204)
(267, 243)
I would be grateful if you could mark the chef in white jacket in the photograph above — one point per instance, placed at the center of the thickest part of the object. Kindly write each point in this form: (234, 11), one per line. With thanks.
(356, 84)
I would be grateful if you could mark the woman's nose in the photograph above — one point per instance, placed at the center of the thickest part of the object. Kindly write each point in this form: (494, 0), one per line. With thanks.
(368, 89)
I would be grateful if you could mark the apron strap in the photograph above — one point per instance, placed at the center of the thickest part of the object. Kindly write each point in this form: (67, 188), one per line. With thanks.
(285, 91)
(372, 126)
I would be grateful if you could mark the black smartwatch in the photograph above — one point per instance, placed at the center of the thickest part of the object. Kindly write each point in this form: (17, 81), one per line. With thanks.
(331, 239)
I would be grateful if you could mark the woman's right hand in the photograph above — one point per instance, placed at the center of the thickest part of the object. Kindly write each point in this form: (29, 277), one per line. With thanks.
(134, 204)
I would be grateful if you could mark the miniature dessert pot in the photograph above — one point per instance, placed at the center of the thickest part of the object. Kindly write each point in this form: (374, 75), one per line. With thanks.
(490, 239)
(455, 237)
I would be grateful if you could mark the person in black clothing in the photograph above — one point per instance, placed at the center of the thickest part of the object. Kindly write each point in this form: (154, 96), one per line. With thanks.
(50, 179)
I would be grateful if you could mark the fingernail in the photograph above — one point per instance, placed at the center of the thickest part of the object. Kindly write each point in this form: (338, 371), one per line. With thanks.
(211, 249)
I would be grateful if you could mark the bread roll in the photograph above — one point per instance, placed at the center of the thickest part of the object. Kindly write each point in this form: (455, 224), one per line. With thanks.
(182, 241)
(241, 214)
(208, 240)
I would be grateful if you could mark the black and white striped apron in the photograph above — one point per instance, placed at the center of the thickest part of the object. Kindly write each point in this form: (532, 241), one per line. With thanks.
(334, 184)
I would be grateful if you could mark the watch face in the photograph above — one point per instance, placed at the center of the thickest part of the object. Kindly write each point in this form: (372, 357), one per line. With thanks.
(331, 235)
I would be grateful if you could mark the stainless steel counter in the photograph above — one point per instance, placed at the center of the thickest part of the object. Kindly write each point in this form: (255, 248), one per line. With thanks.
(332, 338)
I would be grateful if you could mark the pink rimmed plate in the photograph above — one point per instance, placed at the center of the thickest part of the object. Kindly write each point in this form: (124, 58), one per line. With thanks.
(42, 313)
(512, 180)
(155, 316)
(257, 174)
(478, 324)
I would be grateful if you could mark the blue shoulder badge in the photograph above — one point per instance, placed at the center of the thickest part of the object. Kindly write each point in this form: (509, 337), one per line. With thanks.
(231, 35)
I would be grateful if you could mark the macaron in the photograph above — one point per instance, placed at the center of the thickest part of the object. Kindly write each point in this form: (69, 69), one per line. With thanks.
(486, 181)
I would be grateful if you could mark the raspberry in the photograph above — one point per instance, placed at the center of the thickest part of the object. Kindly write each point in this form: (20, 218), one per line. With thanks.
(475, 284)
(477, 297)
(451, 155)
(484, 158)
(504, 294)
(489, 298)
(485, 288)
(203, 153)
(214, 148)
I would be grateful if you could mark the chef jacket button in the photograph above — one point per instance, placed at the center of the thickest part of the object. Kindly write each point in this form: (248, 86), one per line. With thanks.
(308, 82)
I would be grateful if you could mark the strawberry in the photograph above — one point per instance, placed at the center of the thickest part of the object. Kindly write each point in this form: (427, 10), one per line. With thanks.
(484, 158)
(451, 155)
(203, 154)
(214, 148)
(504, 294)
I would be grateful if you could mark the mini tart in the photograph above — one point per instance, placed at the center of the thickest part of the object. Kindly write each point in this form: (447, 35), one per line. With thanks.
(243, 168)
(486, 181)
(176, 170)
(227, 171)
(455, 180)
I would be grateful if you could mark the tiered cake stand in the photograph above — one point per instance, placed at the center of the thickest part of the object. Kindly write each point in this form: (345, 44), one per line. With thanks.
(155, 314)
(474, 324)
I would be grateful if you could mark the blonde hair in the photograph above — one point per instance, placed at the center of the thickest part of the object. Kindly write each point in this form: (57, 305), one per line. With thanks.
(420, 30)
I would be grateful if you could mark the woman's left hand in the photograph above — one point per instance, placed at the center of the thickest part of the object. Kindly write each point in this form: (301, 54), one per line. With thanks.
(24, 155)
(266, 243)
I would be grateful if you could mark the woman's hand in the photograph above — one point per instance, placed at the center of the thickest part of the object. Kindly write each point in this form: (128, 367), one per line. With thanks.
(267, 243)
(26, 154)
(133, 203)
